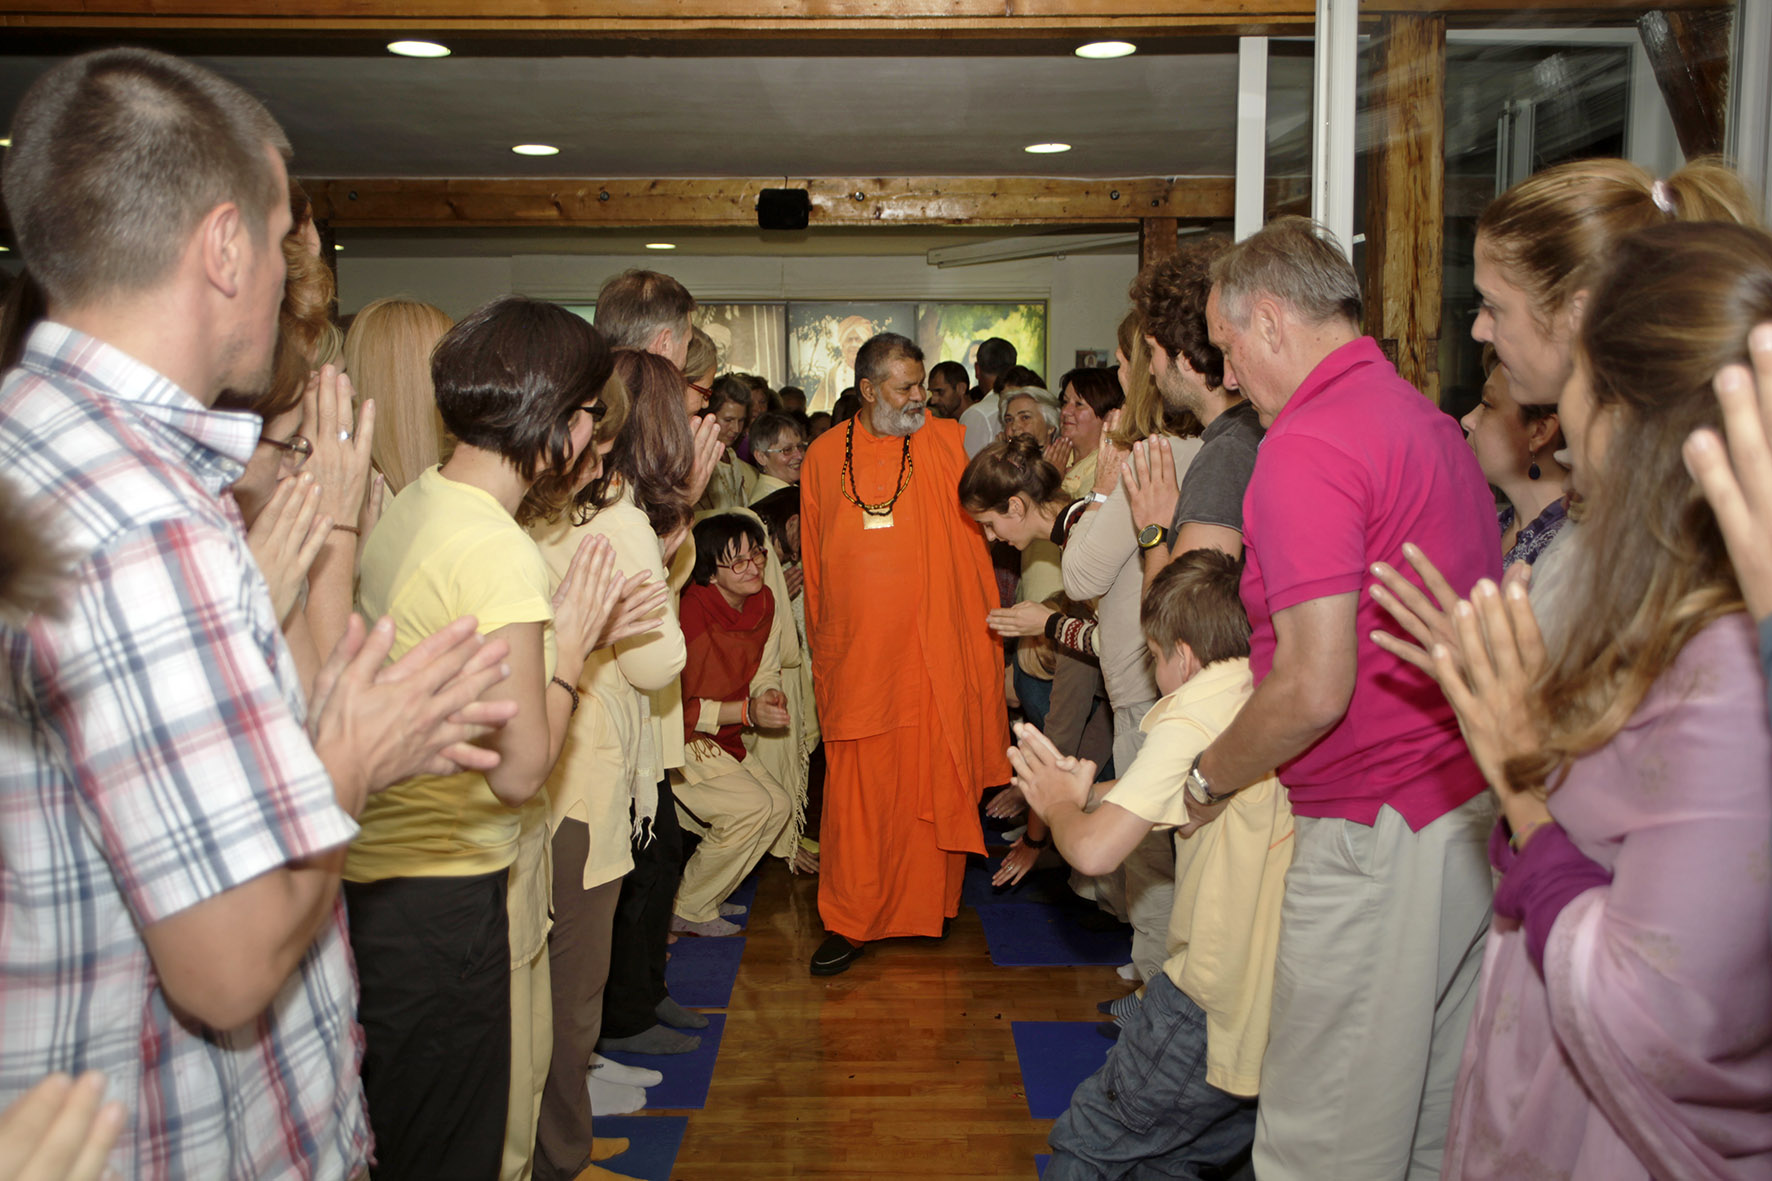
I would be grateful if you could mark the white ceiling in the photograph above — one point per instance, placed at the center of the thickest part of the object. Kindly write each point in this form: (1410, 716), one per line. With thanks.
(680, 116)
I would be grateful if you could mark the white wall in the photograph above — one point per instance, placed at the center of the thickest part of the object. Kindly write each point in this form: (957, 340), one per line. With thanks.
(1086, 294)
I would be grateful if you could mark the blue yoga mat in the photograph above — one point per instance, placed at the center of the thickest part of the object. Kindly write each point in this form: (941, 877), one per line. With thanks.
(1040, 1159)
(701, 972)
(745, 896)
(654, 1141)
(686, 1076)
(1055, 1056)
(1036, 935)
(1041, 885)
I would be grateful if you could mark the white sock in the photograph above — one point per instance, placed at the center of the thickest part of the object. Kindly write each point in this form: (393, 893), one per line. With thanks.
(611, 1071)
(614, 1098)
(1128, 971)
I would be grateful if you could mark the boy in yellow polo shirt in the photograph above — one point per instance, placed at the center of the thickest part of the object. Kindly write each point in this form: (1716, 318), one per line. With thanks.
(1179, 1085)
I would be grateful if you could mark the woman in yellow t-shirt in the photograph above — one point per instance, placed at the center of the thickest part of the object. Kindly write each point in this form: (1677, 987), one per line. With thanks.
(522, 385)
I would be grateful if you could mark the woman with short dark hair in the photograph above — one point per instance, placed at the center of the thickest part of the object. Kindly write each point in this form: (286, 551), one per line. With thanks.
(442, 863)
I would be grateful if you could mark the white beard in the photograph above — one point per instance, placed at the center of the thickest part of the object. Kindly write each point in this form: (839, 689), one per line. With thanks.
(899, 423)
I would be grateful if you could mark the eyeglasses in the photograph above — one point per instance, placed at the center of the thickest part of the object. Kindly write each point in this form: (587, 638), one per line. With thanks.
(755, 560)
(295, 449)
(788, 450)
(703, 390)
(596, 410)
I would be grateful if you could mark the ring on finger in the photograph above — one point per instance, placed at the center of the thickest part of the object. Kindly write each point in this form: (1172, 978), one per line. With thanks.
(344, 436)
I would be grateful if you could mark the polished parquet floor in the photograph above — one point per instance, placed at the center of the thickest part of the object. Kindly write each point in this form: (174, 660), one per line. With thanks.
(902, 1067)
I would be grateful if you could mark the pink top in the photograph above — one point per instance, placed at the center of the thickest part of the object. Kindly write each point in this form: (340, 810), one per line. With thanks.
(1642, 1048)
(1356, 464)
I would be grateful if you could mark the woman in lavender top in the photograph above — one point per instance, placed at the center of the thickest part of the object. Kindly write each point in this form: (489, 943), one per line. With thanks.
(1622, 1028)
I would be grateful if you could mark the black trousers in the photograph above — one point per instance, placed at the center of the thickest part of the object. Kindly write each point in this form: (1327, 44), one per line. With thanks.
(642, 926)
(434, 965)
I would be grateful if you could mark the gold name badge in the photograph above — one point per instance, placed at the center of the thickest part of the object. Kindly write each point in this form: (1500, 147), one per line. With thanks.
(870, 521)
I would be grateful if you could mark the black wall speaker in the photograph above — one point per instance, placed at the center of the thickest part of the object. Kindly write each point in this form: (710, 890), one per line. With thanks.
(783, 209)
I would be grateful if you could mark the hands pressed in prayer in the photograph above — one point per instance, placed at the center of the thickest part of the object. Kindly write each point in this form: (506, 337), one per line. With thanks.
(1737, 479)
(341, 443)
(374, 726)
(371, 514)
(1061, 453)
(706, 439)
(638, 608)
(795, 577)
(584, 601)
(1149, 475)
(286, 537)
(1046, 777)
(1484, 653)
(1109, 455)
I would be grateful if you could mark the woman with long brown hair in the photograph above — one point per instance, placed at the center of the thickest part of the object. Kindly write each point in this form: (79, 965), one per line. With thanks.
(1620, 1031)
(617, 844)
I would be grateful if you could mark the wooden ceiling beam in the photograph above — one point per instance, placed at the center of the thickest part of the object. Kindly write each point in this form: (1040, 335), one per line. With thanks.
(836, 201)
(813, 18)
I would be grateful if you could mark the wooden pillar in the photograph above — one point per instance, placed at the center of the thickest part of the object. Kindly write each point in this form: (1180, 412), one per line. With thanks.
(1690, 54)
(1158, 237)
(1406, 195)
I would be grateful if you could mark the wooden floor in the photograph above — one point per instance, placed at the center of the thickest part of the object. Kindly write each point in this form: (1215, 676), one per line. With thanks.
(901, 1067)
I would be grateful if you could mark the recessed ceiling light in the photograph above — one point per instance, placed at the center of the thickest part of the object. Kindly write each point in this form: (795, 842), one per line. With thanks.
(5, 141)
(661, 245)
(421, 49)
(336, 248)
(1046, 149)
(5, 250)
(1106, 49)
(536, 150)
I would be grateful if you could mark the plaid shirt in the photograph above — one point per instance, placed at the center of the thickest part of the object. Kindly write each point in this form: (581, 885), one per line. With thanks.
(153, 755)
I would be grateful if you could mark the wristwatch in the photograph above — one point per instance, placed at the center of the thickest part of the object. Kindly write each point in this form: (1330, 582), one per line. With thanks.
(1151, 536)
(1199, 788)
(1097, 498)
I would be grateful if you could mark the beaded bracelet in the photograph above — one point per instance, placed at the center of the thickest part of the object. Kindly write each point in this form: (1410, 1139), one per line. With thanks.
(570, 689)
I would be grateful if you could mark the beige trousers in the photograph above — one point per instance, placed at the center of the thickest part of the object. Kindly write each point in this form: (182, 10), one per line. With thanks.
(1381, 938)
(739, 810)
(1149, 870)
(528, 899)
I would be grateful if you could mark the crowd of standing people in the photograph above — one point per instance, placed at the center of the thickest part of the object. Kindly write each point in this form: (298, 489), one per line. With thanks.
(366, 691)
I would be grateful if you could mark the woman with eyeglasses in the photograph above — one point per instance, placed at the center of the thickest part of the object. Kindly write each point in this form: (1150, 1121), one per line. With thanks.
(303, 495)
(780, 448)
(699, 364)
(733, 478)
(445, 883)
(731, 683)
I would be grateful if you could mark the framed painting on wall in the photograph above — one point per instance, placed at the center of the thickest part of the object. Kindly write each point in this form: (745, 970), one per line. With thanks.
(749, 338)
(823, 339)
(953, 332)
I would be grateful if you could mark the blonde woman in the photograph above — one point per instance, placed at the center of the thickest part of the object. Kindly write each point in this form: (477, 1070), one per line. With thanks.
(388, 355)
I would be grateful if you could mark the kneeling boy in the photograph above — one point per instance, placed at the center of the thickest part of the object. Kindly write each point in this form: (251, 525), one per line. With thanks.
(1179, 1085)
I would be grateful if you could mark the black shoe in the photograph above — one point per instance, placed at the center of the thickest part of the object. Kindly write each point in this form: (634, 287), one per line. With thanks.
(835, 955)
(1109, 1030)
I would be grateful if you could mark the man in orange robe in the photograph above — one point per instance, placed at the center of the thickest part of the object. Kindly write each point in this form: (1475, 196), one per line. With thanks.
(908, 679)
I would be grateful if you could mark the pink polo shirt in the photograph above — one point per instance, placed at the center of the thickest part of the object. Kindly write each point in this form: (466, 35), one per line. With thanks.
(1356, 464)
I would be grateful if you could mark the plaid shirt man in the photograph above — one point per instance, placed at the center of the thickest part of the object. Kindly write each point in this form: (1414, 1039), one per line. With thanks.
(152, 756)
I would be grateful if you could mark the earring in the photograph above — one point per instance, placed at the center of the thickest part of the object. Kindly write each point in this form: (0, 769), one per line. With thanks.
(1533, 472)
